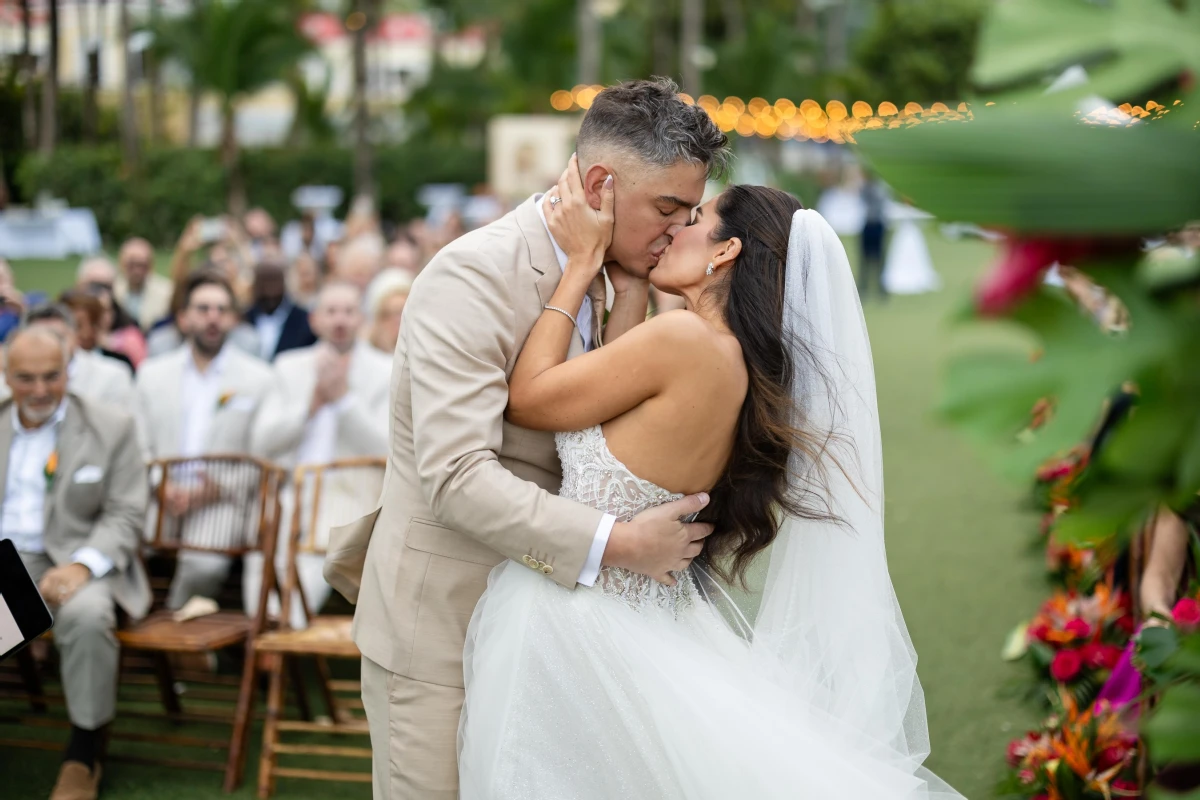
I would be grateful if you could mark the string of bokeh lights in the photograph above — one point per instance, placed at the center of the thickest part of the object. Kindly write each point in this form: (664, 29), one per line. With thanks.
(835, 122)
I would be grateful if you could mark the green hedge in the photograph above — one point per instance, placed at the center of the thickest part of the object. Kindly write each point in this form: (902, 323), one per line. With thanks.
(171, 185)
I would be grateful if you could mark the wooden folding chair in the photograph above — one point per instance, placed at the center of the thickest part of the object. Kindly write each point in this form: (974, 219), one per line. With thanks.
(320, 497)
(241, 517)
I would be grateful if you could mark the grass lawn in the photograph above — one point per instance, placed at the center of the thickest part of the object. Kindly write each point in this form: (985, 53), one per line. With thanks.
(956, 543)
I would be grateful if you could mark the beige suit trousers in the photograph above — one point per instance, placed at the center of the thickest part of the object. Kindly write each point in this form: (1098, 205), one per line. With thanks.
(85, 634)
(414, 735)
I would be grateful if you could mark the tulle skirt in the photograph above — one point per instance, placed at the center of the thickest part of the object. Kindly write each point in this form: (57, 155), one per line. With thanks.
(576, 694)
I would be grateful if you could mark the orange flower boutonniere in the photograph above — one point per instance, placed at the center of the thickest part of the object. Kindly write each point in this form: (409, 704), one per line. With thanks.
(51, 469)
(224, 399)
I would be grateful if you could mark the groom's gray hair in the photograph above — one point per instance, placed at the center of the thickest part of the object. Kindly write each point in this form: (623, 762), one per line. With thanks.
(650, 122)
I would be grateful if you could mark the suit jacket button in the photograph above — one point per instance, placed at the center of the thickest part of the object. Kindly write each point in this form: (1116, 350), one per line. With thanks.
(547, 569)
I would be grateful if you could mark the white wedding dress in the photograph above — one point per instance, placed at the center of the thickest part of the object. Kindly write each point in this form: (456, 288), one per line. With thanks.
(635, 689)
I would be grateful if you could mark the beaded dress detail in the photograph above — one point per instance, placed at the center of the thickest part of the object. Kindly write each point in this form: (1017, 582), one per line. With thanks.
(592, 475)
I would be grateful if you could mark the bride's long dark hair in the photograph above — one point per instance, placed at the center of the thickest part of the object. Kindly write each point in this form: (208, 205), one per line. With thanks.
(776, 466)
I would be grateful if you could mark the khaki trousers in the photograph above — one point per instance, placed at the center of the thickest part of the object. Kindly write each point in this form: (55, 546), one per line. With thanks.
(414, 735)
(85, 634)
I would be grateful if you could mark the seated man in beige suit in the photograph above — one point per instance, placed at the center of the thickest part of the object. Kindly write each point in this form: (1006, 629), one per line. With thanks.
(74, 502)
(200, 399)
(329, 402)
(464, 488)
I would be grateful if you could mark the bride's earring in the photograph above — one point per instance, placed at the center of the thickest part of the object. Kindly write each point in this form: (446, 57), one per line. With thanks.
(709, 271)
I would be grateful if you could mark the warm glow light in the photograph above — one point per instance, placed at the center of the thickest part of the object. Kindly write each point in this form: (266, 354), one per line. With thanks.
(708, 103)
(561, 101)
(737, 103)
(887, 109)
(962, 107)
(687, 98)
(757, 106)
(785, 108)
(836, 110)
(861, 109)
(764, 127)
(913, 108)
(939, 108)
(586, 95)
(745, 125)
(355, 21)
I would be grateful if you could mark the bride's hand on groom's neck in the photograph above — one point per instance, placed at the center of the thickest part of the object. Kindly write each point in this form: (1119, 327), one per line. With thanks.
(658, 542)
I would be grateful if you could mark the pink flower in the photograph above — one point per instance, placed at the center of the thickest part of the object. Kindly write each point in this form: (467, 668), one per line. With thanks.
(1026, 776)
(1066, 665)
(1110, 757)
(1186, 613)
(1024, 260)
(1079, 628)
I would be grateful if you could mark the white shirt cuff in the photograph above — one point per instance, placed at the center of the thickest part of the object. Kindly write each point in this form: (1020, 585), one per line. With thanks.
(93, 559)
(343, 403)
(591, 567)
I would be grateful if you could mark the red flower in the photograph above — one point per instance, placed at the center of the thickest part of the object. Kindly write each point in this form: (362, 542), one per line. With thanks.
(1024, 260)
(1079, 628)
(1122, 785)
(1127, 624)
(1066, 665)
(1038, 631)
(1100, 656)
(1186, 613)
(1026, 776)
(1110, 757)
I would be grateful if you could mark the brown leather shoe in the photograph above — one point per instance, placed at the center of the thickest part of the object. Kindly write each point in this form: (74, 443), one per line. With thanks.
(76, 782)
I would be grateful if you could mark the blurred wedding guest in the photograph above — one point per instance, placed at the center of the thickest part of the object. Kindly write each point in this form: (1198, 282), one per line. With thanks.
(310, 234)
(118, 331)
(386, 297)
(404, 254)
(143, 293)
(196, 400)
(260, 233)
(90, 317)
(90, 375)
(328, 402)
(281, 324)
(74, 504)
(304, 280)
(874, 198)
(12, 302)
(359, 260)
(329, 262)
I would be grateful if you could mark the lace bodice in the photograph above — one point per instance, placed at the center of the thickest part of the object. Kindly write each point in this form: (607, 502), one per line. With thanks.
(592, 475)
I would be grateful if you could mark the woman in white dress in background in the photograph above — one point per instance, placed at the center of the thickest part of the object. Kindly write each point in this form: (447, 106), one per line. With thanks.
(761, 392)
(908, 269)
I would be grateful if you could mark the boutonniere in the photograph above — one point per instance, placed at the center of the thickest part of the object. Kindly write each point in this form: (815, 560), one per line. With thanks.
(224, 399)
(51, 469)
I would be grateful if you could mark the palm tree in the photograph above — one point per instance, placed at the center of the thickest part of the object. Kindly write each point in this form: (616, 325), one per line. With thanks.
(365, 17)
(28, 105)
(129, 136)
(49, 132)
(232, 50)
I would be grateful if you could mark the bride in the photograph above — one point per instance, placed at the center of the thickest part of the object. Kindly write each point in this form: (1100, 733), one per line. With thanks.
(761, 393)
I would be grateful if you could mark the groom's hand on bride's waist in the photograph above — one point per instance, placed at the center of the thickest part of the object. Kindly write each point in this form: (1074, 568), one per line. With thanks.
(658, 542)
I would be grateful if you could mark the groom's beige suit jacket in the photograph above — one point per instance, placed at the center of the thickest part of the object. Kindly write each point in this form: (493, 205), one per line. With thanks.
(463, 488)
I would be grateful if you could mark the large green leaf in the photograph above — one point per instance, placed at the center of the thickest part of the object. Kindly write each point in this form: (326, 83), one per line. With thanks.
(1128, 45)
(1173, 731)
(1038, 171)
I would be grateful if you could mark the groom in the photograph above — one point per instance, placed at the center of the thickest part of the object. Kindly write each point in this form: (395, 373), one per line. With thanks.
(464, 488)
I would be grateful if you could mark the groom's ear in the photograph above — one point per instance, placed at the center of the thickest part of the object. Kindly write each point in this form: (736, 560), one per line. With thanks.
(593, 184)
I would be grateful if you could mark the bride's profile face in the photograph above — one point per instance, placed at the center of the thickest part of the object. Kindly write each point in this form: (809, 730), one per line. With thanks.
(683, 264)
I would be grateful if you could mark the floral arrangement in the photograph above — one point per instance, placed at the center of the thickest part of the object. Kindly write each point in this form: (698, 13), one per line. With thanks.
(1076, 639)
(1088, 754)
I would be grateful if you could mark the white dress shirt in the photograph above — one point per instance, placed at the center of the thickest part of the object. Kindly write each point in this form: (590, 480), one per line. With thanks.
(25, 489)
(591, 566)
(201, 393)
(320, 433)
(270, 328)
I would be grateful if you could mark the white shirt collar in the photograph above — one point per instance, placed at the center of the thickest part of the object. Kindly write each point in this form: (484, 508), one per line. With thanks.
(60, 413)
(215, 367)
(558, 251)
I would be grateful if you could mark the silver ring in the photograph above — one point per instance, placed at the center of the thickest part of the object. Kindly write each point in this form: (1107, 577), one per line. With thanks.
(554, 201)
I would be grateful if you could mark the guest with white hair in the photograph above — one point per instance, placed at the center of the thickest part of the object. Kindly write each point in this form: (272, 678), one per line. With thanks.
(359, 260)
(328, 402)
(141, 291)
(386, 297)
(94, 377)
